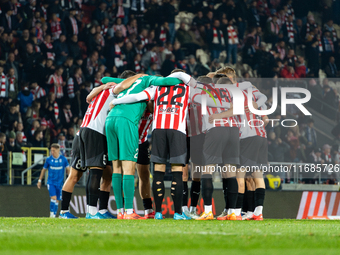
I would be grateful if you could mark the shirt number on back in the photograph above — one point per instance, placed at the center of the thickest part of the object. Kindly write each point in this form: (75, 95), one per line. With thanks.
(173, 98)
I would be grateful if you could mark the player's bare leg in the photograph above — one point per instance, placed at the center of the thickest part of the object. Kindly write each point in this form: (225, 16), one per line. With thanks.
(145, 189)
(207, 191)
(67, 191)
(259, 194)
(117, 180)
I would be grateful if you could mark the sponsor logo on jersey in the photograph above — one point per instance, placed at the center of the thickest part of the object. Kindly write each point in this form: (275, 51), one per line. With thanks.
(169, 110)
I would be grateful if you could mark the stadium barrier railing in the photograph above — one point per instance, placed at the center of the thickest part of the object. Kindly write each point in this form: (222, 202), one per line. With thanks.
(41, 151)
(28, 172)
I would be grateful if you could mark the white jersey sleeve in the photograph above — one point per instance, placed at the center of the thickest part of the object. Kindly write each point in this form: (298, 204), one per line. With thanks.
(186, 78)
(147, 94)
(261, 99)
(245, 85)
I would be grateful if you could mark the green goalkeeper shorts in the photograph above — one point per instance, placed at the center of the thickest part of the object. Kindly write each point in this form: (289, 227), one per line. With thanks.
(122, 139)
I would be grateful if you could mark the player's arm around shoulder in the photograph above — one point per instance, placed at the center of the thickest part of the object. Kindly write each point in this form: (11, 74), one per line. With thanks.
(127, 83)
(97, 90)
(147, 95)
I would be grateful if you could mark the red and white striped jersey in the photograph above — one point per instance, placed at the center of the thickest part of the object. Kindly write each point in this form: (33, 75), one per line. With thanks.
(226, 96)
(38, 92)
(144, 126)
(251, 124)
(97, 111)
(194, 118)
(170, 107)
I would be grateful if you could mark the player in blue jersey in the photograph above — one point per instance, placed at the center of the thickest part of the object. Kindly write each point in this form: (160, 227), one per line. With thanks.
(56, 165)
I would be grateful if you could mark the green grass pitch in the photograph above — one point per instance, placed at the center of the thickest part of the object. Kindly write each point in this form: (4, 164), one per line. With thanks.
(60, 236)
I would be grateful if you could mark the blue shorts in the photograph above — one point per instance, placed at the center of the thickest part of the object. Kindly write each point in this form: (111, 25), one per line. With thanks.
(54, 191)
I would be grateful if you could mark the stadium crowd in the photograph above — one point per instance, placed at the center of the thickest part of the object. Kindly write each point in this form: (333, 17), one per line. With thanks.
(52, 53)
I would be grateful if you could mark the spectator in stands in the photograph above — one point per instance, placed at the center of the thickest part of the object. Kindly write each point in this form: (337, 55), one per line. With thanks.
(73, 47)
(10, 117)
(20, 128)
(67, 72)
(64, 144)
(326, 154)
(310, 134)
(57, 83)
(248, 52)
(61, 49)
(100, 13)
(25, 98)
(23, 41)
(169, 12)
(182, 34)
(294, 143)
(300, 67)
(329, 98)
(28, 62)
(30, 132)
(328, 48)
(288, 72)
(33, 111)
(47, 132)
(195, 69)
(331, 68)
(289, 32)
(215, 39)
(70, 135)
(118, 26)
(12, 63)
(90, 65)
(11, 145)
(199, 19)
(85, 89)
(232, 42)
(278, 148)
(178, 52)
(66, 117)
(19, 140)
(265, 61)
(272, 30)
(317, 93)
(312, 54)
(38, 139)
(241, 16)
(50, 109)
(12, 84)
(37, 91)
(253, 16)
(72, 24)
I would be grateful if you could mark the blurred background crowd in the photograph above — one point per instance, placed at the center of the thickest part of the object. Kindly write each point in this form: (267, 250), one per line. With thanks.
(53, 52)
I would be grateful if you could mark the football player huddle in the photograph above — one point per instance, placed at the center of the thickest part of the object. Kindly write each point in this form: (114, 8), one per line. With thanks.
(191, 121)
